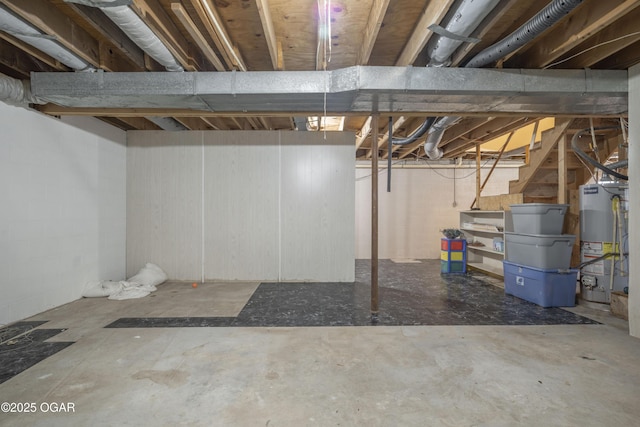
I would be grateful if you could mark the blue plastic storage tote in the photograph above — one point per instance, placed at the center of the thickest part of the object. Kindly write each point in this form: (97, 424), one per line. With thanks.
(547, 288)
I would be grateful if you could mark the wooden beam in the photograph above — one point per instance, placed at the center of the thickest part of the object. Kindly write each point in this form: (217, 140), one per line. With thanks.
(623, 59)
(197, 36)
(215, 27)
(137, 123)
(269, 32)
(562, 169)
(19, 61)
(582, 24)
(462, 129)
(432, 14)
(364, 133)
(35, 53)
(280, 65)
(494, 129)
(376, 16)
(50, 20)
(215, 123)
(163, 27)
(549, 141)
(493, 167)
(605, 43)
(193, 123)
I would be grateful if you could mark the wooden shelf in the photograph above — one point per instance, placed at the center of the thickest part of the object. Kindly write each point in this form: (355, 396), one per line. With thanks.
(485, 249)
(488, 226)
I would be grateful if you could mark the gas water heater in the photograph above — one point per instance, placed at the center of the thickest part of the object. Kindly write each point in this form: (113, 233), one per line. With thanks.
(604, 240)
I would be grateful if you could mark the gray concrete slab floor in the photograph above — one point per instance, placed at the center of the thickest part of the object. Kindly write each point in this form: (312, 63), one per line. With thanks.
(560, 375)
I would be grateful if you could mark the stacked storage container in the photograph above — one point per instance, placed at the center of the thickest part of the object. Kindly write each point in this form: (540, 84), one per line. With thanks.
(538, 256)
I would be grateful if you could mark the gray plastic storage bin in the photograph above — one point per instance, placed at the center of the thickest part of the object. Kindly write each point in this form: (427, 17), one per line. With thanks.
(540, 250)
(538, 218)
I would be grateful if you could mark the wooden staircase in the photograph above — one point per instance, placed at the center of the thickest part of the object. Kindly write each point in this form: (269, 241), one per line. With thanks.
(553, 170)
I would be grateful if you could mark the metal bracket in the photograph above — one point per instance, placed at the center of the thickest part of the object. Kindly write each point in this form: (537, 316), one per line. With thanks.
(448, 34)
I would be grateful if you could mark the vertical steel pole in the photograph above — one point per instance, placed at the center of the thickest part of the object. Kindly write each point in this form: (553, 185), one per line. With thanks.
(374, 218)
(478, 174)
(389, 151)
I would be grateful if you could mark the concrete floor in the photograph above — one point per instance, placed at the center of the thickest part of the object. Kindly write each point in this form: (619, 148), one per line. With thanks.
(560, 375)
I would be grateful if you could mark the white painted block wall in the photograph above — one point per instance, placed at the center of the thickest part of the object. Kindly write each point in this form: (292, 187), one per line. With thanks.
(420, 204)
(242, 205)
(62, 217)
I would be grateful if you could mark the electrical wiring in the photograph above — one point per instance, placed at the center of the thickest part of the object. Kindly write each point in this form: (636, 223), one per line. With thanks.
(591, 48)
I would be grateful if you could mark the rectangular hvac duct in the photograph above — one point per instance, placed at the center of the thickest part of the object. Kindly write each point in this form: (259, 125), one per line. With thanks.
(348, 90)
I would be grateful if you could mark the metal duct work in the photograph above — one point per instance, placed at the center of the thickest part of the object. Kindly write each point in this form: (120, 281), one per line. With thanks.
(16, 91)
(167, 123)
(435, 136)
(544, 19)
(11, 24)
(135, 28)
(424, 127)
(466, 19)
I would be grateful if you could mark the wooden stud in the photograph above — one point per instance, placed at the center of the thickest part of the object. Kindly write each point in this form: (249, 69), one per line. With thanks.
(562, 169)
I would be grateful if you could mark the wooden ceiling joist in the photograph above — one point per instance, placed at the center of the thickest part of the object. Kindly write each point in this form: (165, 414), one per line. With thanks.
(433, 14)
(269, 32)
(218, 33)
(376, 16)
(584, 22)
(197, 37)
(614, 38)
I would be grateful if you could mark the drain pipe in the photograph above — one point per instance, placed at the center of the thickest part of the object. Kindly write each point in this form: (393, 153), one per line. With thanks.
(18, 28)
(544, 19)
(135, 28)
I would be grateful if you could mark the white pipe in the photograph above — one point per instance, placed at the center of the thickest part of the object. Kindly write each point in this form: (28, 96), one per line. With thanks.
(465, 20)
(18, 28)
(135, 28)
(16, 91)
